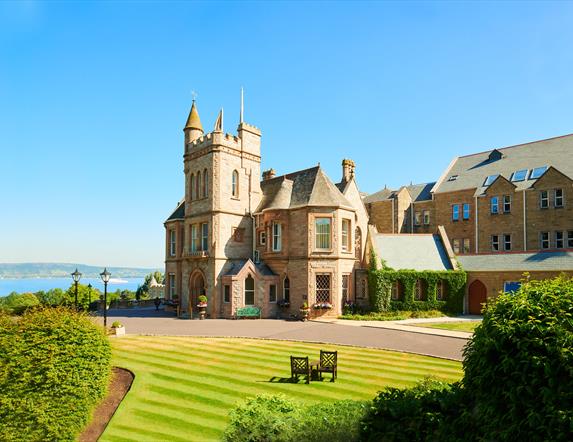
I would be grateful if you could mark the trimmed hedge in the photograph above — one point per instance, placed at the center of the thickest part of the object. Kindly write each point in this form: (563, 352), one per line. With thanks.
(280, 419)
(519, 364)
(54, 368)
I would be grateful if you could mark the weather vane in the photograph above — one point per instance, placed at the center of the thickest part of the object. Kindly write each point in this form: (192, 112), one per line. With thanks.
(194, 95)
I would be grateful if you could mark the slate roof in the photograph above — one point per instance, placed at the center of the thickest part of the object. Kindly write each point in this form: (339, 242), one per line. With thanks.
(523, 262)
(472, 170)
(381, 195)
(411, 251)
(418, 192)
(179, 212)
(238, 265)
(309, 187)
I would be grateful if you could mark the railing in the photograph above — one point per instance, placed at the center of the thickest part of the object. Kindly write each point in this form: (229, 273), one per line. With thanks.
(196, 253)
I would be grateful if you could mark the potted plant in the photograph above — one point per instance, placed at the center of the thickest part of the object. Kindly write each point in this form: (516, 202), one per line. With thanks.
(322, 306)
(202, 306)
(304, 311)
(117, 328)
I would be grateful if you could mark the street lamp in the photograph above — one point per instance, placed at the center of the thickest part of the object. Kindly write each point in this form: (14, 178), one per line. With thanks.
(105, 278)
(76, 276)
(89, 295)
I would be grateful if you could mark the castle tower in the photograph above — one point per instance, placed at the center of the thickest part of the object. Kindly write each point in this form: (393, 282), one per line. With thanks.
(193, 128)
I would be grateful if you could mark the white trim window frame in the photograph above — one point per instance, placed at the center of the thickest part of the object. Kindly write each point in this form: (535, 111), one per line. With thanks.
(506, 203)
(172, 242)
(277, 237)
(322, 233)
(466, 211)
(345, 237)
(507, 242)
(544, 240)
(194, 238)
(558, 198)
(494, 205)
(426, 217)
(543, 199)
(495, 243)
(263, 238)
(559, 239)
(204, 237)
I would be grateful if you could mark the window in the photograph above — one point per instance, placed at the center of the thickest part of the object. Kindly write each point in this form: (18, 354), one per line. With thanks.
(494, 205)
(453, 178)
(345, 285)
(194, 238)
(426, 217)
(495, 243)
(511, 286)
(559, 242)
(506, 242)
(262, 238)
(198, 186)
(205, 184)
(238, 234)
(272, 293)
(358, 243)
(227, 293)
(441, 290)
(204, 236)
(322, 233)
(519, 175)
(257, 257)
(363, 288)
(323, 287)
(277, 232)
(466, 245)
(466, 211)
(346, 235)
(419, 290)
(558, 197)
(456, 212)
(490, 179)
(172, 242)
(506, 203)
(235, 184)
(171, 285)
(537, 172)
(543, 199)
(286, 289)
(570, 239)
(249, 290)
(397, 291)
(192, 187)
(544, 240)
(417, 218)
(456, 246)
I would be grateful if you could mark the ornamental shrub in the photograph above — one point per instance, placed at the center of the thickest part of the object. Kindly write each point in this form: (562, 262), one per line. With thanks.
(54, 368)
(519, 364)
(16, 303)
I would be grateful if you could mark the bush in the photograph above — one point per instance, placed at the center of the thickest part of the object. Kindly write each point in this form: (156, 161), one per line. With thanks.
(431, 410)
(519, 364)
(16, 303)
(54, 368)
(277, 418)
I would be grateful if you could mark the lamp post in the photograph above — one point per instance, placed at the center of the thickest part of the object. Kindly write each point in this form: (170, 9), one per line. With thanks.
(76, 277)
(105, 278)
(89, 295)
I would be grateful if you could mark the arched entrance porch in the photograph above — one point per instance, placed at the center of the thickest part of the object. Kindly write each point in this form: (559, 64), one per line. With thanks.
(196, 288)
(477, 295)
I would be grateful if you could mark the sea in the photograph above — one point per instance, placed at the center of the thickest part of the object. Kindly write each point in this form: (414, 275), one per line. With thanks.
(25, 285)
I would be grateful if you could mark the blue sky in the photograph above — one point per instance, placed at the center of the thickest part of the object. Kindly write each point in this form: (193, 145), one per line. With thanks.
(93, 97)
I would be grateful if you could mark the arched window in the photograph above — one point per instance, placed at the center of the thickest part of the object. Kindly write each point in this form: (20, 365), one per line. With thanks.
(397, 291)
(441, 290)
(192, 186)
(286, 289)
(235, 184)
(420, 290)
(249, 290)
(205, 183)
(358, 243)
(198, 186)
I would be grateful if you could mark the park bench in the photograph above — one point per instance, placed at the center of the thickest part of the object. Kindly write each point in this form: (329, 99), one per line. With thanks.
(299, 366)
(248, 312)
(328, 364)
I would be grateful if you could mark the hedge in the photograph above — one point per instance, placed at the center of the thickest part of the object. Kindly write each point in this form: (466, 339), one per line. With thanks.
(54, 368)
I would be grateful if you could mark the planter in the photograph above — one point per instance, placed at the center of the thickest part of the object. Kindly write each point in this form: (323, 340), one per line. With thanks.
(304, 313)
(118, 331)
(202, 311)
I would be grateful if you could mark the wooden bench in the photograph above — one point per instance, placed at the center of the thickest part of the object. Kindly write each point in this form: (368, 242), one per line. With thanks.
(248, 312)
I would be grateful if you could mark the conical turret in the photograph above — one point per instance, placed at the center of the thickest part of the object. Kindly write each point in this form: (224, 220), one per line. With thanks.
(193, 128)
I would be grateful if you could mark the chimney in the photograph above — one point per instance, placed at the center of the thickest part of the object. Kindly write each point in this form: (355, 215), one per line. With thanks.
(347, 170)
(269, 174)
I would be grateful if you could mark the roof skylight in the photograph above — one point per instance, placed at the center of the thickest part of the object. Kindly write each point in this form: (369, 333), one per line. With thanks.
(519, 175)
(490, 179)
(537, 172)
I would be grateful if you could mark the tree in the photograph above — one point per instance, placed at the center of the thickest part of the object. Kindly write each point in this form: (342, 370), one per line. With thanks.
(18, 303)
(84, 295)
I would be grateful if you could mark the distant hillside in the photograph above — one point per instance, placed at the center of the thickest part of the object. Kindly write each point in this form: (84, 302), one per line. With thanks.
(58, 270)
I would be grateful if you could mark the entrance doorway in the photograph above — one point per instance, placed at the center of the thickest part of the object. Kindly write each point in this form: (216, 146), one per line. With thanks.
(477, 296)
(196, 289)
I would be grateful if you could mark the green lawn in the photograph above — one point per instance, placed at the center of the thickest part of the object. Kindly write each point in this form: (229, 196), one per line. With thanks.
(184, 386)
(464, 326)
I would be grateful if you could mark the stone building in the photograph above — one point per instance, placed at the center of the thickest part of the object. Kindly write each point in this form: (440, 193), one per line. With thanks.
(516, 200)
(289, 239)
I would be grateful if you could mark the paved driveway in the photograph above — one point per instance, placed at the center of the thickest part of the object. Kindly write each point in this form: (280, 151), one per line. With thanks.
(149, 321)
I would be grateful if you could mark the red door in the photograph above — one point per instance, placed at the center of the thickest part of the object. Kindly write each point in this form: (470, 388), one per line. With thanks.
(477, 297)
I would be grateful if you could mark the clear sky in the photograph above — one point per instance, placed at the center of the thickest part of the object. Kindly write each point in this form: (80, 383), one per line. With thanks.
(94, 96)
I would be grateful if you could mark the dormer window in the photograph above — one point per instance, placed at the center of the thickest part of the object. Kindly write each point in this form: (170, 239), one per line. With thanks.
(453, 178)
(537, 172)
(519, 175)
(490, 179)
(495, 155)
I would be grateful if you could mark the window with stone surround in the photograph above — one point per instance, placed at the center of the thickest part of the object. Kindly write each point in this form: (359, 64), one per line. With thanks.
(495, 243)
(323, 287)
(172, 242)
(466, 211)
(277, 237)
(262, 238)
(558, 198)
(249, 290)
(426, 217)
(544, 240)
(346, 235)
(345, 288)
(397, 291)
(570, 239)
(272, 293)
(494, 205)
(172, 285)
(286, 289)
(456, 212)
(466, 245)
(543, 199)
(358, 243)
(235, 184)
(417, 218)
(507, 242)
(227, 293)
(198, 186)
(441, 290)
(420, 290)
(363, 292)
(456, 246)
(506, 203)
(192, 187)
(559, 240)
(195, 243)
(322, 233)
(204, 236)
(205, 184)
